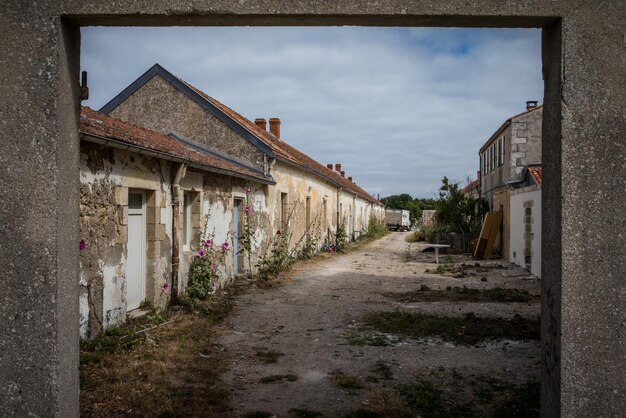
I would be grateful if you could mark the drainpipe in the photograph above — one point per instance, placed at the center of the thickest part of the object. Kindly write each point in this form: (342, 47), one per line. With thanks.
(353, 218)
(180, 173)
(338, 211)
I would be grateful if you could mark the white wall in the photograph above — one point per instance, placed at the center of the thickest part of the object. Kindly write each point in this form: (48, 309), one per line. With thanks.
(520, 200)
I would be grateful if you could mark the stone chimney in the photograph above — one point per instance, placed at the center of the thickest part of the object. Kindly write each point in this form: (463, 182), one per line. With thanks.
(338, 168)
(275, 127)
(531, 104)
(261, 123)
(329, 166)
(343, 173)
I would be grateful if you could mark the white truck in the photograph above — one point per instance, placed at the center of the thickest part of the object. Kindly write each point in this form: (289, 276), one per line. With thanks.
(398, 219)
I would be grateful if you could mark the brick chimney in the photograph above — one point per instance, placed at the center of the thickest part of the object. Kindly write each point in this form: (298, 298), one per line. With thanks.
(531, 104)
(338, 168)
(261, 123)
(275, 127)
(343, 174)
(329, 166)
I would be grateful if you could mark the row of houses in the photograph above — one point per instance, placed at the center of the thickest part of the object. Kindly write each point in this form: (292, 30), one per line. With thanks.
(163, 166)
(509, 179)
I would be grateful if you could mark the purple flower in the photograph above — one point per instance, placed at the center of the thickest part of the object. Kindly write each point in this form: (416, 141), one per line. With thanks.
(82, 245)
(207, 243)
(224, 245)
(165, 286)
(201, 253)
(247, 209)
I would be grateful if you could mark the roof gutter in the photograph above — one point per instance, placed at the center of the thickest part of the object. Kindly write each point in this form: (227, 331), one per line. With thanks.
(164, 156)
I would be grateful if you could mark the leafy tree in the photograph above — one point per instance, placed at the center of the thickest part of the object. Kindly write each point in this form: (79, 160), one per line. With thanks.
(458, 212)
(405, 201)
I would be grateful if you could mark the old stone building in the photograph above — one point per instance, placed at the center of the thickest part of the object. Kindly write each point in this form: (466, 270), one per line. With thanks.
(513, 146)
(135, 185)
(510, 181)
(163, 165)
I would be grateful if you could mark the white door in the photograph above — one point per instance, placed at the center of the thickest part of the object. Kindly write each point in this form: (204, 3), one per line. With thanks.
(135, 263)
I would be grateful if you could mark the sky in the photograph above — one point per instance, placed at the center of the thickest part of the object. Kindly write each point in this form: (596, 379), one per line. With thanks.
(399, 108)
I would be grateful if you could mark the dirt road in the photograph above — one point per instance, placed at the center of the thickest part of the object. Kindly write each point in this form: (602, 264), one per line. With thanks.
(302, 349)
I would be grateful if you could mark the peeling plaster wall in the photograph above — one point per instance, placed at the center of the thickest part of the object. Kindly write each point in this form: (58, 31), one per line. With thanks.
(298, 185)
(159, 106)
(214, 216)
(106, 175)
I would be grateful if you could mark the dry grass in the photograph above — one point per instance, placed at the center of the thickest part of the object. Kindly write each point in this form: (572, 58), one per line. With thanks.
(464, 294)
(170, 371)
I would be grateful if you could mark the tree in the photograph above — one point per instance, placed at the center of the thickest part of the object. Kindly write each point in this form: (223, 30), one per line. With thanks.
(457, 212)
(405, 201)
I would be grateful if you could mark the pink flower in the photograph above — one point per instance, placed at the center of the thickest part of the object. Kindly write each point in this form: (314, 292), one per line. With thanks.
(248, 189)
(247, 209)
(213, 267)
(82, 245)
(201, 253)
(165, 286)
(224, 246)
(207, 243)
(213, 285)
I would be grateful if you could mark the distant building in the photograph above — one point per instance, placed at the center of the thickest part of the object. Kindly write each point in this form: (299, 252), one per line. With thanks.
(520, 236)
(428, 217)
(510, 149)
(473, 188)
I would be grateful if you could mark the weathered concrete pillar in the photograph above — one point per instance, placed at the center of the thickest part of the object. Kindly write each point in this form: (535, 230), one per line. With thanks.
(583, 197)
(38, 216)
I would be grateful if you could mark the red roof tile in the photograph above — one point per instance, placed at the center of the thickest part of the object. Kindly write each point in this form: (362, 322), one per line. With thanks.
(471, 186)
(104, 126)
(284, 150)
(535, 171)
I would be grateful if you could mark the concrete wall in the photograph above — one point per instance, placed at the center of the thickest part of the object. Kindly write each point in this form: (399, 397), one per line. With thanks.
(525, 227)
(584, 352)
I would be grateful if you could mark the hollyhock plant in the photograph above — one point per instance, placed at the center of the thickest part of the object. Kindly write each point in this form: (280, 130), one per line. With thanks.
(205, 266)
(247, 209)
(248, 189)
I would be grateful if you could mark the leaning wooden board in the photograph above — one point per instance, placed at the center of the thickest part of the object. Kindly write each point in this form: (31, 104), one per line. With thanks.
(488, 235)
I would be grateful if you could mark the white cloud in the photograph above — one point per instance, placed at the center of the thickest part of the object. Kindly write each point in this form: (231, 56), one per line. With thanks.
(398, 107)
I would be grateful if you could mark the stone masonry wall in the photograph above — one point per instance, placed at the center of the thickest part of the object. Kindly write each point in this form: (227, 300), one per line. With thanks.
(106, 177)
(159, 106)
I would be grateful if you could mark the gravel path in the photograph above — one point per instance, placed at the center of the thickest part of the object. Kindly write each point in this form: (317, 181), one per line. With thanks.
(307, 320)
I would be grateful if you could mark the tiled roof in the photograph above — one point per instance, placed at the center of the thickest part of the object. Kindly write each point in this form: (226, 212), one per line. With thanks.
(505, 124)
(103, 126)
(535, 171)
(285, 151)
(470, 186)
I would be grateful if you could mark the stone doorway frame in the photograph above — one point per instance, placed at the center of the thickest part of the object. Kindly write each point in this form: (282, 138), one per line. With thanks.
(583, 56)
